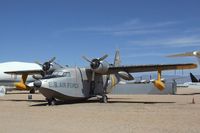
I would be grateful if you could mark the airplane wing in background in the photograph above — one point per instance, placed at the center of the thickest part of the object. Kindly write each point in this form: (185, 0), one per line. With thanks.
(194, 53)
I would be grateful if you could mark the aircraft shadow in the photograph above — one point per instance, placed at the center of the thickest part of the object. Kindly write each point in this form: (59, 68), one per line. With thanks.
(141, 102)
(11, 93)
(189, 94)
(66, 103)
(97, 101)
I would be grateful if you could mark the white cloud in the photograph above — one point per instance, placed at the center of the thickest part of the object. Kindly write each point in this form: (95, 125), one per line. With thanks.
(132, 27)
(138, 32)
(169, 42)
(143, 55)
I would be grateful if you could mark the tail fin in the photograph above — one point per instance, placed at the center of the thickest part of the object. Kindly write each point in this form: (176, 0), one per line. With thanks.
(193, 78)
(117, 61)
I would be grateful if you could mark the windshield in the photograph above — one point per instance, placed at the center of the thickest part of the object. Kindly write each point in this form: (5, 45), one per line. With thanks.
(58, 73)
(66, 74)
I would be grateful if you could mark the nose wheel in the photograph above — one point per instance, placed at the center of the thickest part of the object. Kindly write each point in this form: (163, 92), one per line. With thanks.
(51, 102)
(104, 99)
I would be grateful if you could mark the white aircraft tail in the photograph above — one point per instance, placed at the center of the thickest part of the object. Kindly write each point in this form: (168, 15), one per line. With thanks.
(2, 90)
(194, 53)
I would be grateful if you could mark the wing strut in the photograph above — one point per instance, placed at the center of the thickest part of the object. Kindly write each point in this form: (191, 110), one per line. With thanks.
(22, 84)
(158, 83)
(159, 74)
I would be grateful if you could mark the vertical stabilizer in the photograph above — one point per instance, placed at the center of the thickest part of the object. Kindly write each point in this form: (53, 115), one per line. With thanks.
(117, 61)
(193, 78)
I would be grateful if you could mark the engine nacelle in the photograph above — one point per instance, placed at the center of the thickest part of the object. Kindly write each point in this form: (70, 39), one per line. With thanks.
(126, 76)
(159, 84)
(102, 68)
(37, 76)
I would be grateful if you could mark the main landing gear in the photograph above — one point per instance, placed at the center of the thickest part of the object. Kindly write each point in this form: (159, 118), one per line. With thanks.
(104, 99)
(51, 101)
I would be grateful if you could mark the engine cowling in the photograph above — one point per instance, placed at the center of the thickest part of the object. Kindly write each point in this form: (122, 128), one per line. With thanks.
(159, 84)
(37, 76)
(101, 67)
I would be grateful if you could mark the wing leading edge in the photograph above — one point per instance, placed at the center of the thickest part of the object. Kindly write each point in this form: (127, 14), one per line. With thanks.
(129, 69)
(28, 72)
(148, 68)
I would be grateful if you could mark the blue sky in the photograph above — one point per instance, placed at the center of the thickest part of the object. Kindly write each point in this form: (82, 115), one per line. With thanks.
(145, 31)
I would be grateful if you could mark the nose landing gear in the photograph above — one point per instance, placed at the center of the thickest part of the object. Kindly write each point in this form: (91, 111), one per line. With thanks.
(104, 99)
(51, 101)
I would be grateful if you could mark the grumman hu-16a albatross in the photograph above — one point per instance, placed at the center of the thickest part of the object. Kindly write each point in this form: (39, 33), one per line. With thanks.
(10, 82)
(83, 83)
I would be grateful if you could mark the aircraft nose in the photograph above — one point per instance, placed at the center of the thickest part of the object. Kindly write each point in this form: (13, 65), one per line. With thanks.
(37, 83)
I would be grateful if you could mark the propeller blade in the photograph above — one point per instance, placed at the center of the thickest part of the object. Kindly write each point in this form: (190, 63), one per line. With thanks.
(104, 57)
(85, 58)
(52, 60)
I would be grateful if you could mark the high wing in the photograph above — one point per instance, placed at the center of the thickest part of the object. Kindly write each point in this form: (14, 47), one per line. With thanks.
(28, 72)
(129, 69)
(148, 68)
(115, 69)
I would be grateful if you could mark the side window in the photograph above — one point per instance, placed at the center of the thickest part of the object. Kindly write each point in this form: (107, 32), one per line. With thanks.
(67, 74)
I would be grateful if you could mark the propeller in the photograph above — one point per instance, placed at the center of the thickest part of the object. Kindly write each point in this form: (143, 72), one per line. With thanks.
(47, 65)
(95, 63)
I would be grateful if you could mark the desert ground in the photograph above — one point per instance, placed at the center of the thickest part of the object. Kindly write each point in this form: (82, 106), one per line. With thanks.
(122, 114)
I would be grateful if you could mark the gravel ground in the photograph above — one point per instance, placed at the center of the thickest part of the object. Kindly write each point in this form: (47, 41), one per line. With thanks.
(123, 114)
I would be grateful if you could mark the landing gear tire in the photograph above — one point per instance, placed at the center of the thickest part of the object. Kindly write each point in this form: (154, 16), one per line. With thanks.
(104, 99)
(32, 91)
(51, 102)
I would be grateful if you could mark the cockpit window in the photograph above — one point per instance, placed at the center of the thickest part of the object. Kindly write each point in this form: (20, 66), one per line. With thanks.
(65, 74)
(58, 73)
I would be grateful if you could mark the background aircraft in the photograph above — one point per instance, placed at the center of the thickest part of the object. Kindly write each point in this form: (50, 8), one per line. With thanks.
(99, 79)
(194, 53)
(194, 82)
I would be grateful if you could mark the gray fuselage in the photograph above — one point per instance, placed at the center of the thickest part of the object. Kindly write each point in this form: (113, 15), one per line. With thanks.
(75, 83)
